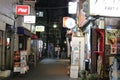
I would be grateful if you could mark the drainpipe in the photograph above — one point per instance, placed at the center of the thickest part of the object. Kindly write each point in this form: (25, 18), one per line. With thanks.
(68, 47)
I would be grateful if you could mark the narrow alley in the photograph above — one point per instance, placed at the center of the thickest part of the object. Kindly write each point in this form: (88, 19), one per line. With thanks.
(59, 39)
(47, 69)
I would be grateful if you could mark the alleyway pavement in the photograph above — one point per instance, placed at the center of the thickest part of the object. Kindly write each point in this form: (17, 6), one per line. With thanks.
(47, 69)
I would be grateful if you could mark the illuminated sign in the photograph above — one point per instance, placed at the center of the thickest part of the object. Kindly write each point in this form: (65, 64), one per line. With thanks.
(72, 7)
(29, 19)
(40, 28)
(68, 22)
(22, 9)
(105, 7)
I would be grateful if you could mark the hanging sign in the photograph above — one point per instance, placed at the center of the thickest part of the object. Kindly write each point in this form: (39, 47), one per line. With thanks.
(40, 28)
(68, 22)
(105, 7)
(22, 10)
(72, 9)
(29, 19)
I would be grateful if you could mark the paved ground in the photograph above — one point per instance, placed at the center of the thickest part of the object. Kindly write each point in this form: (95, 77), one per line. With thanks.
(47, 69)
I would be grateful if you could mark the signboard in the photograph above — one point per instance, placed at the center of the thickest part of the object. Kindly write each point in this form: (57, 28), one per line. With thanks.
(23, 62)
(22, 10)
(29, 19)
(68, 22)
(75, 58)
(105, 8)
(74, 71)
(40, 14)
(40, 28)
(72, 7)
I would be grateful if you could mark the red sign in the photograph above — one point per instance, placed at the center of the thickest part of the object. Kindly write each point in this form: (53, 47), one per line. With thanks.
(22, 9)
(64, 21)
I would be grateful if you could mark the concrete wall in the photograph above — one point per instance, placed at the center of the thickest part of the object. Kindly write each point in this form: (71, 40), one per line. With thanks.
(20, 23)
(7, 11)
(6, 17)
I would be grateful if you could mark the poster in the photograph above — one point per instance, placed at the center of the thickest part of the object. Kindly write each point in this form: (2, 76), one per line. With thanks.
(23, 60)
(74, 71)
(75, 60)
(113, 39)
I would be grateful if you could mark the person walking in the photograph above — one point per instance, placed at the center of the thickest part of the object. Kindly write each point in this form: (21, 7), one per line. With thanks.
(57, 50)
(48, 50)
(51, 50)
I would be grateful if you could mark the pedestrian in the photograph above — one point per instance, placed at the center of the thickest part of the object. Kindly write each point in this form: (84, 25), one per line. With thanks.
(63, 54)
(57, 51)
(48, 51)
(51, 50)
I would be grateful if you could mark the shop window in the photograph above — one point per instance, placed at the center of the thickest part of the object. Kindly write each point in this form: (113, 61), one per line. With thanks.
(22, 43)
(8, 43)
(1, 48)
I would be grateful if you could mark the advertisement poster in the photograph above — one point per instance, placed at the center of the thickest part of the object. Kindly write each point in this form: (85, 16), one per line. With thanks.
(75, 60)
(16, 62)
(23, 60)
(113, 39)
(78, 52)
(75, 57)
(74, 71)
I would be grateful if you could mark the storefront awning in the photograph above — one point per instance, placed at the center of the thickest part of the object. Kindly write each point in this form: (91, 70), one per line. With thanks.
(21, 30)
(34, 37)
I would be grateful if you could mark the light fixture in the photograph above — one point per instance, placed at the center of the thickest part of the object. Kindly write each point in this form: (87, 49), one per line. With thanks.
(55, 26)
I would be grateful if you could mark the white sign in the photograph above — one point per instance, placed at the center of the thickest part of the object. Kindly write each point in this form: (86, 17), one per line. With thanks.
(40, 28)
(29, 19)
(105, 7)
(68, 22)
(72, 7)
(74, 71)
(39, 14)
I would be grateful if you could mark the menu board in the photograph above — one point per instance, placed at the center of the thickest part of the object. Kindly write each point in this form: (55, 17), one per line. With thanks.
(20, 62)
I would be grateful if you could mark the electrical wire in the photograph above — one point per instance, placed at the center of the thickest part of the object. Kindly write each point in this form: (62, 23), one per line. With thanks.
(61, 7)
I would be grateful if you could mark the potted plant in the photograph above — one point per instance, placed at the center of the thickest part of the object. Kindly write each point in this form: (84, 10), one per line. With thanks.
(83, 75)
(92, 77)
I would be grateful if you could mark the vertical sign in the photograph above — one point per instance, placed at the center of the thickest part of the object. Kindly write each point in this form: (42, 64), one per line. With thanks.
(72, 7)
